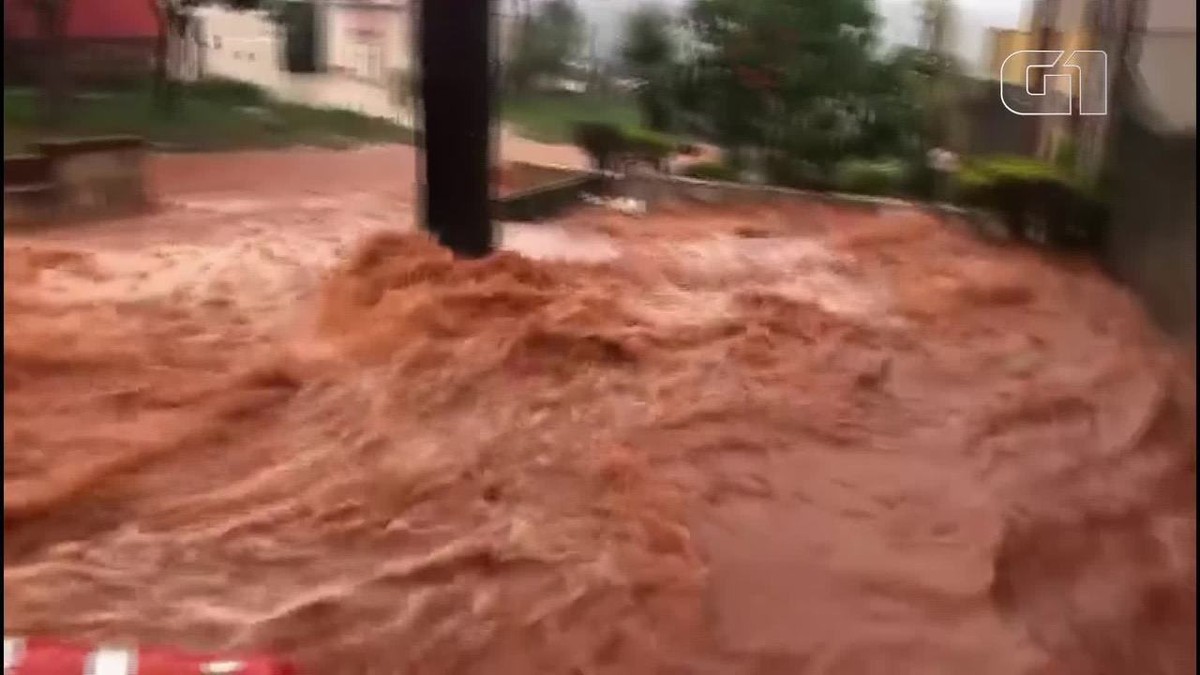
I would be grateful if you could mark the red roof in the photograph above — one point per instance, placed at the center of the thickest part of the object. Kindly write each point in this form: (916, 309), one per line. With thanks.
(97, 19)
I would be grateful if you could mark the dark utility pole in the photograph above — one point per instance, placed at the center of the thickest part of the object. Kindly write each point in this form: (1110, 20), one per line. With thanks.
(456, 102)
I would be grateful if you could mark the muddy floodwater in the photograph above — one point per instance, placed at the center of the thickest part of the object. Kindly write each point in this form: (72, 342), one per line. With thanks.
(796, 440)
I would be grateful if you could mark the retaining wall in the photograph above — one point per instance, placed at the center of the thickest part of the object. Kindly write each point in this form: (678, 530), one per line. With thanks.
(553, 190)
(653, 188)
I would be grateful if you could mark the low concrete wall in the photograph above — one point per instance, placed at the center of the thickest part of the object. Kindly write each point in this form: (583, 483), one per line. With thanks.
(30, 193)
(556, 190)
(27, 169)
(528, 176)
(1152, 239)
(563, 187)
(653, 188)
(27, 205)
(76, 179)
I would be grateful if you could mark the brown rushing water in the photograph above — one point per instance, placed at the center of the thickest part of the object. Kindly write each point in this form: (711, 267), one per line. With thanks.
(792, 440)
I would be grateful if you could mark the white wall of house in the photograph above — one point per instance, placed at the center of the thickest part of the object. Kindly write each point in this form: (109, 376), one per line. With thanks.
(248, 46)
(368, 41)
(367, 38)
(242, 46)
(367, 49)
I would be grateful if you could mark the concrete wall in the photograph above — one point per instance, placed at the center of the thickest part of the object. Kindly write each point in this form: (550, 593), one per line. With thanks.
(368, 41)
(1002, 43)
(367, 48)
(656, 188)
(547, 191)
(1073, 34)
(1152, 245)
(243, 46)
(1167, 68)
(1152, 156)
(990, 128)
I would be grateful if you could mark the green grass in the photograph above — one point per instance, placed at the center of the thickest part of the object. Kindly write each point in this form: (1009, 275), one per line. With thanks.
(215, 115)
(549, 117)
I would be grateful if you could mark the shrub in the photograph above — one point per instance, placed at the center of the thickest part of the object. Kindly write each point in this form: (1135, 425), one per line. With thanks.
(920, 180)
(602, 142)
(788, 172)
(606, 143)
(870, 177)
(649, 146)
(1066, 155)
(711, 171)
(1035, 200)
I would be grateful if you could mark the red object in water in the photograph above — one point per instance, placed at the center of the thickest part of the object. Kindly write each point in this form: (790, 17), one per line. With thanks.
(41, 656)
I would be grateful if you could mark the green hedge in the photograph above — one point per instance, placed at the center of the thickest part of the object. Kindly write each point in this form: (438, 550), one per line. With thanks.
(602, 142)
(712, 171)
(797, 174)
(233, 92)
(871, 177)
(1036, 200)
(605, 142)
(650, 144)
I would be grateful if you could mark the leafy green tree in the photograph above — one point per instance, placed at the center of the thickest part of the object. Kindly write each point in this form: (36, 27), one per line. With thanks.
(788, 79)
(648, 53)
(549, 36)
(937, 18)
(648, 45)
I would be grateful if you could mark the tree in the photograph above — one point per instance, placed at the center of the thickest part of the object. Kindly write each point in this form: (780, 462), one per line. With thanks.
(937, 26)
(549, 37)
(938, 67)
(895, 126)
(789, 79)
(648, 53)
(648, 45)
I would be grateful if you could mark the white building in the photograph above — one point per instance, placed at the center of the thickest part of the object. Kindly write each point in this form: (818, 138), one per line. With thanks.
(365, 53)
